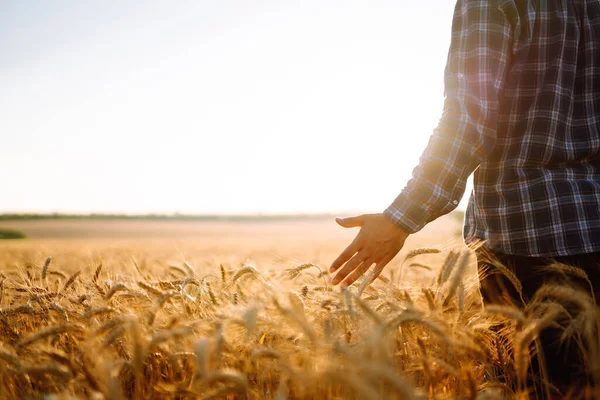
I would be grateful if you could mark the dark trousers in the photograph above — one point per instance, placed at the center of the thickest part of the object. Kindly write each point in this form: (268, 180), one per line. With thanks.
(564, 361)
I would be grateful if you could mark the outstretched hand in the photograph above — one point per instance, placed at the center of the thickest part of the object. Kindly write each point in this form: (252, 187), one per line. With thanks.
(378, 242)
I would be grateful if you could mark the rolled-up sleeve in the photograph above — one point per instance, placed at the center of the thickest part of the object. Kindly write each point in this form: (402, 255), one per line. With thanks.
(475, 74)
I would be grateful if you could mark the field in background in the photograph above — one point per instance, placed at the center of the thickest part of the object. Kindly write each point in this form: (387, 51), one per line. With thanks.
(270, 243)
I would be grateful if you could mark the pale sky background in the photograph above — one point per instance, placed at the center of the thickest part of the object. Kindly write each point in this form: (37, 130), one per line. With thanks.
(218, 106)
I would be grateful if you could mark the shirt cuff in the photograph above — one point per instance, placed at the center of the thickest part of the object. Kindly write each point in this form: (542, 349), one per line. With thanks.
(411, 217)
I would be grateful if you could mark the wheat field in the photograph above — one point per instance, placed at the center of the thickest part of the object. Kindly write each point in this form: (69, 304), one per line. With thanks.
(226, 311)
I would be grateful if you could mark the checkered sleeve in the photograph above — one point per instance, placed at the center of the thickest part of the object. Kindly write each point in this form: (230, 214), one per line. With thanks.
(475, 73)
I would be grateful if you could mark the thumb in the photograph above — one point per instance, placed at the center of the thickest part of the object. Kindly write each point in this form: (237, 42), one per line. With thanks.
(350, 222)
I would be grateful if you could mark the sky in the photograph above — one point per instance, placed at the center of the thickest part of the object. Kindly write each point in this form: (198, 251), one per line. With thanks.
(227, 107)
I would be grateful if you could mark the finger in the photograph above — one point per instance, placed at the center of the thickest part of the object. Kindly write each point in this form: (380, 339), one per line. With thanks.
(379, 267)
(351, 222)
(349, 267)
(358, 272)
(346, 255)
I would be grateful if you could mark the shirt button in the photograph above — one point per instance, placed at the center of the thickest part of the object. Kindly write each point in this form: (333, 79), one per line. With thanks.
(455, 202)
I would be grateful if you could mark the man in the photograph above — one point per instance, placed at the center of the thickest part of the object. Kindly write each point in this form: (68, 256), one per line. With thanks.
(522, 110)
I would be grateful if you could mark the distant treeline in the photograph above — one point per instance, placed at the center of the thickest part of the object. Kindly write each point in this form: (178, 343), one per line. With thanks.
(164, 217)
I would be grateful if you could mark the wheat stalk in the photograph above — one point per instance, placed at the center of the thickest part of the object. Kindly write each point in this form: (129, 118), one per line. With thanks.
(97, 273)
(114, 289)
(421, 251)
(71, 281)
(243, 271)
(447, 266)
(53, 330)
(45, 267)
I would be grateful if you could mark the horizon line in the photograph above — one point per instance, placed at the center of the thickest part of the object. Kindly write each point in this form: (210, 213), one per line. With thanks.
(175, 216)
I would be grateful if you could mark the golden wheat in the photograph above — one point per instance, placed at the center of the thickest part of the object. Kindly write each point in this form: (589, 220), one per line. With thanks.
(252, 333)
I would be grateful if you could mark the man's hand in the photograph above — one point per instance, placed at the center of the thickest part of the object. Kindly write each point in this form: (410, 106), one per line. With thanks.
(378, 242)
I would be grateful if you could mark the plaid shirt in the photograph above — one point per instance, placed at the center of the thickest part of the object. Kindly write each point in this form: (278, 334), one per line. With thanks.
(522, 110)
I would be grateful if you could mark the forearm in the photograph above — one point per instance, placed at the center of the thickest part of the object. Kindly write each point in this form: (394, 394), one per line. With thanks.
(477, 66)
